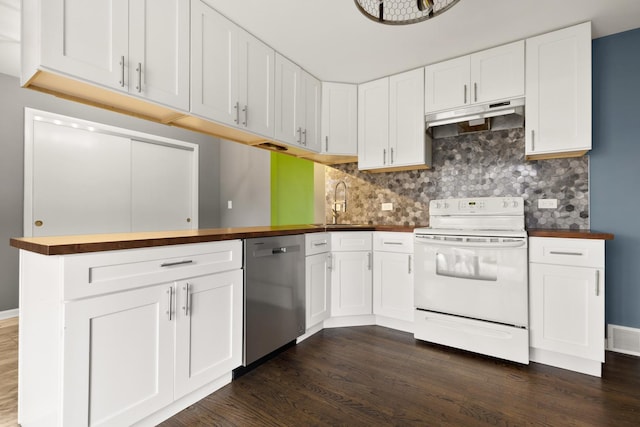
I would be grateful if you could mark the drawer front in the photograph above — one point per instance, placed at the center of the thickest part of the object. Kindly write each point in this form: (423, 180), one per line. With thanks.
(351, 241)
(393, 242)
(575, 252)
(317, 243)
(104, 272)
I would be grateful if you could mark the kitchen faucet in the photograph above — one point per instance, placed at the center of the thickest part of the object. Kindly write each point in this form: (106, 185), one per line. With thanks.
(339, 205)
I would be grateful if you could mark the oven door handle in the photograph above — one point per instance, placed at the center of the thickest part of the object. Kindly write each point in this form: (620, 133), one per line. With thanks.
(462, 244)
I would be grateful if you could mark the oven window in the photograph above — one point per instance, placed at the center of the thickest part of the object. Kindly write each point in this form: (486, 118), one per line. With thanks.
(467, 265)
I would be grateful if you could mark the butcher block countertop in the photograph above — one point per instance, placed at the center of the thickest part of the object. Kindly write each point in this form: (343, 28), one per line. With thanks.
(67, 245)
(569, 234)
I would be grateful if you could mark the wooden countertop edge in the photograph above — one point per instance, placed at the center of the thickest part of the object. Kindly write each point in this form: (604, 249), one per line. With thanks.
(569, 234)
(68, 245)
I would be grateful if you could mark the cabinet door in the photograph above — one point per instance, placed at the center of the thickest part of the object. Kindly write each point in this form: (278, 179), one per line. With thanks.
(209, 329)
(81, 182)
(88, 40)
(447, 85)
(406, 118)
(318, 288)
(159, 51)
(393, 285)
(497, 73)
(558, 88)
(256, 85)
(373, 124)
(351, 279)
(339, 119)
(118, 363)
(311, 116)
(288, 99)
(164, 187)
(567, 310)
(214, 65)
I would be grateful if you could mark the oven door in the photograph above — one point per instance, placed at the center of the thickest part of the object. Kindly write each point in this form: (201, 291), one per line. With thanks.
(478, 277)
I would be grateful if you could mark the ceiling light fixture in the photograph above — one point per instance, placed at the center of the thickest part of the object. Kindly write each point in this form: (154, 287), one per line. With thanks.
(402, 12)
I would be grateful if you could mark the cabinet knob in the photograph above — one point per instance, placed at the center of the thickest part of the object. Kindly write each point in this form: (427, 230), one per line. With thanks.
(38, 223)
(188, 219)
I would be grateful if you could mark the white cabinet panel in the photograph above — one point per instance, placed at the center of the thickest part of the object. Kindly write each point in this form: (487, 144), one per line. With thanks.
(339, 119)
(351, 280)
(162, 188)
(393, 285)
(118, 357)
(208, 329)
(406, 119)
(447, 84)
(87, 39)
(81, 182)
(318, 288)
(558, 88)
(311, 115)
(373, 124)
(288, 99)
(497, 73)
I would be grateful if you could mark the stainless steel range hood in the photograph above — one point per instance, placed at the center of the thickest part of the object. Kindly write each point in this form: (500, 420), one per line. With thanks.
(506, 115)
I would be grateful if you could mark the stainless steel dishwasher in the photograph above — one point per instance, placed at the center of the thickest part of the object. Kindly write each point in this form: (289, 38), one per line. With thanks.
(274, 305)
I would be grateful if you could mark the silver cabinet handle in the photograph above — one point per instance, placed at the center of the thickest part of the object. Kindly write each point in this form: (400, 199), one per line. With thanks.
(170, 305)
(597, 283)
(409, 264)
(533, 145)
(465, 94)
(237, 108)
(326, 144)
(392, 243)
(330, 262)
(566, 253)
(304, 141)
(384, 156)
(391, 152)
(171, 264)
(246, 120)
(475, 92)
(369, 260)
(139, 70)
(299, 132)
(320, 243)
(122, 71)
(187, 297)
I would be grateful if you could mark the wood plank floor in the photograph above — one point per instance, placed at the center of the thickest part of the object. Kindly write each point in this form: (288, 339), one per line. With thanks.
(373, 376)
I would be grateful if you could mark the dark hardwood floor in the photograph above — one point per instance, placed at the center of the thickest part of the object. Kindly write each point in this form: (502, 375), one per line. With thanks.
(373, 376)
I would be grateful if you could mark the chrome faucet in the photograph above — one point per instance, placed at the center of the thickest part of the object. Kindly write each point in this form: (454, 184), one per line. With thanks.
(339, 205)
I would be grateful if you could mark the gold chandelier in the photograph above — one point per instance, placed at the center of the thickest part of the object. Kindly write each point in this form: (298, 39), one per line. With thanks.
(402, 12)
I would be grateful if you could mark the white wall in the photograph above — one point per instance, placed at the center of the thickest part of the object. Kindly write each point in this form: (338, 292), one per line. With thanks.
(13, 99)
(245, 180)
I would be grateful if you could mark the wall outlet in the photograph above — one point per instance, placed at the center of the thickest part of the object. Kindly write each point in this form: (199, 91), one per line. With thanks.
(547, 203)
(387, 206)
(229, 204)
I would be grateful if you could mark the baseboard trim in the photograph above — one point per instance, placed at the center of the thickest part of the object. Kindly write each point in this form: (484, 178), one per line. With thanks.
(8, 314)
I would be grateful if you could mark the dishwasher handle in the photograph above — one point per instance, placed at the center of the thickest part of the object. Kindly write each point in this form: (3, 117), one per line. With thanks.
(282, 250)
(278, 250)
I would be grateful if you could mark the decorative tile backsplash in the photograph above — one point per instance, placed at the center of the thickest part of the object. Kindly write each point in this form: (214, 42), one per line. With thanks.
(472, 165)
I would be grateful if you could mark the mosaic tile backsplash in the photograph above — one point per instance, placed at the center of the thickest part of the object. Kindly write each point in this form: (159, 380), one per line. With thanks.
(473, 165)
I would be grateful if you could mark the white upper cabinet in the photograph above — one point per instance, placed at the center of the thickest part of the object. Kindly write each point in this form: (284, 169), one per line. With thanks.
(373, 123)
(232, 73)
(339, 119)
(490, 75)
(298, 98)
(391, 129)
(558, 113)
(137, 46)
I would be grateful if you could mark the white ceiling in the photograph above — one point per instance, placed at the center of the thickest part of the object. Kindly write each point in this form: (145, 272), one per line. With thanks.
(331, 40)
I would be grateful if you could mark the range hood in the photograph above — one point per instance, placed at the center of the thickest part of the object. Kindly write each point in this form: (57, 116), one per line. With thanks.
(506, 114)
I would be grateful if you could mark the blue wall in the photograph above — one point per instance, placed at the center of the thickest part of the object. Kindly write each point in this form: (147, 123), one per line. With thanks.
(615, 170)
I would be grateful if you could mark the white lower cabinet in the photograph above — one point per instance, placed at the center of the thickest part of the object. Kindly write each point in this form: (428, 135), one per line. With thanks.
(317, 278)
(130, 336)
(566, 299)
(351, 274)
(393, 275)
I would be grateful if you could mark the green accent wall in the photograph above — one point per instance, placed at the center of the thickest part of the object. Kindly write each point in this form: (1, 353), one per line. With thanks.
(291, 190)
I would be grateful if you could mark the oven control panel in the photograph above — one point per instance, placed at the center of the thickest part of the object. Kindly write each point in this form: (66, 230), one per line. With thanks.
(477, 206)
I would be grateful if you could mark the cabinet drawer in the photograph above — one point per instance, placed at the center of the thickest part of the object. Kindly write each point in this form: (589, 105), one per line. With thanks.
(393, 242)
(351, 241)
(317, 243)
(576, 252)
(104, 272)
